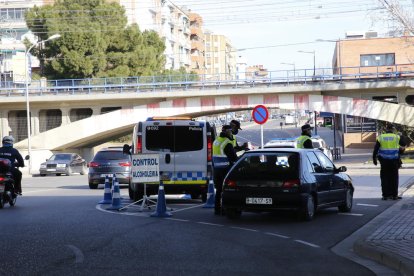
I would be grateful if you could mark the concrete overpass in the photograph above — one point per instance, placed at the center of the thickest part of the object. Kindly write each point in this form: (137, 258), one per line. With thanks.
(350, 97)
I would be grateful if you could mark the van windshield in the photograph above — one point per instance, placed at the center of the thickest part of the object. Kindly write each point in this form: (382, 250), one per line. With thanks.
(174, 138)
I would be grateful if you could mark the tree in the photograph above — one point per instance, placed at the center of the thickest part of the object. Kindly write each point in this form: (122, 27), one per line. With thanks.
(95, 41)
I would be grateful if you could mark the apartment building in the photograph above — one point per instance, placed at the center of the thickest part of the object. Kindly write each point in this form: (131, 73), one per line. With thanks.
(198, 62)
(364, 53)
(220, 57)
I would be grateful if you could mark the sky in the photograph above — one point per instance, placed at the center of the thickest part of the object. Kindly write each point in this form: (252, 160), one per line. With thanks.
(272, 32)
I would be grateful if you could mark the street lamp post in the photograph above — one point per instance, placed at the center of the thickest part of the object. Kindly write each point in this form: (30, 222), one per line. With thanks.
(29, 145)
(294, 69)
(314, 59)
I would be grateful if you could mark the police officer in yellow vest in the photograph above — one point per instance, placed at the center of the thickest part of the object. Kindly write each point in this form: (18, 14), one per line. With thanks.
(304, 141)
(224, 156)
(235, 126)
(387, 150)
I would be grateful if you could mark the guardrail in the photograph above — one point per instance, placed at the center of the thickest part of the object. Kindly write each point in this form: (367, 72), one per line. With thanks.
(201, 82)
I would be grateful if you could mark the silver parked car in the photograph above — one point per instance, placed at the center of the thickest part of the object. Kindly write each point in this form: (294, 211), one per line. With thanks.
(64, 163)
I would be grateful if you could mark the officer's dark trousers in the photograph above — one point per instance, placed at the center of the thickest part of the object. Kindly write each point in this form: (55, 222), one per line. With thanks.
(17, 175)
(218, 179)
(389, 177)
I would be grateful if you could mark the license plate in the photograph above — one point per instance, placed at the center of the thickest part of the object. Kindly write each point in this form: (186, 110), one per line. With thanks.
(50, 170)
(107, 175)
(258, 200)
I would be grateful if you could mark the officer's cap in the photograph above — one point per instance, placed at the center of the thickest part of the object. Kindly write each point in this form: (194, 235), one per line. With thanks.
(236, 123)
(306, 127)
(225, 127)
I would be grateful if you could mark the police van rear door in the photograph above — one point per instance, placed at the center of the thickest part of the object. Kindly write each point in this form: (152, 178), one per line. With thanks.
(190, 152)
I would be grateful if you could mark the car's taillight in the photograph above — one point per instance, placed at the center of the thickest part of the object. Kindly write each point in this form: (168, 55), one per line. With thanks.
(230, 183)
(93, 164)
(1, 178)
(209, 148)
(291, 183)
(125, 164)
(138, 146)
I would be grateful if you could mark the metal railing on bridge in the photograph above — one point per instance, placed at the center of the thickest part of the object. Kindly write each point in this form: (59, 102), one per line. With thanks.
(218, 81)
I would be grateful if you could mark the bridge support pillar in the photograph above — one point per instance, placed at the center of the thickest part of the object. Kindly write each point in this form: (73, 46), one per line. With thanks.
(35, 122)
(65, 115)
(96, 111)
(5, 127)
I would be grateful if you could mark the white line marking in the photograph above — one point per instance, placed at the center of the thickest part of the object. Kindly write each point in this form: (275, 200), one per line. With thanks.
(192, 207)
(78, 253)
(277, 235)
(184, 220)
(351, 214)
(307, 243)
(207, 223)
(246, 229)
(368, 205)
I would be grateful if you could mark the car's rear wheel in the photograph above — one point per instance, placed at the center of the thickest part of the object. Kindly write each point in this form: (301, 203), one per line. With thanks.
(42, 174)
(130, 192)
(232, 213)
(195, 196)
(204, 197)
(347, 206)
(138, 195)
(1, 201)
(93, 186)
(308, 210)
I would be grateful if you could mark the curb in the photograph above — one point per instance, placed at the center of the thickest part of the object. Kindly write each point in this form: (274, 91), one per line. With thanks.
(373, 251)
(385, 257)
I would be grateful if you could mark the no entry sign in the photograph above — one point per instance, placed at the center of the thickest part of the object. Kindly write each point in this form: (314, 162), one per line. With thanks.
(260, 114)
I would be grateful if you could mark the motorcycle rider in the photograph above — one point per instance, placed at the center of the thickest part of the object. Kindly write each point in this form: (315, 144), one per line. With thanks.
(8, 152)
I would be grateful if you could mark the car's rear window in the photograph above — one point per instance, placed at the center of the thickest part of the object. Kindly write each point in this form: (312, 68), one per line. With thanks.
(174, 138)
(267, 166)
(110, 155)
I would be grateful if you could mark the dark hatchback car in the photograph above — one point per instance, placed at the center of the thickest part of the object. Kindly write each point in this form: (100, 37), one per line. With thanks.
(107, 162)
(63, 163)
(286, 178)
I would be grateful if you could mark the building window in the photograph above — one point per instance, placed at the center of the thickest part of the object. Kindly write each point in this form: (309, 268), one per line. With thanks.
(377, 60)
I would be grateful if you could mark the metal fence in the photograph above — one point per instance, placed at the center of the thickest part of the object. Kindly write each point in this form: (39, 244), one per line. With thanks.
(200, 82)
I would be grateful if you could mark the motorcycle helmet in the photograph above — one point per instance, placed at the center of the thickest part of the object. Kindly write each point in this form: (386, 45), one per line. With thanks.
(8, 140)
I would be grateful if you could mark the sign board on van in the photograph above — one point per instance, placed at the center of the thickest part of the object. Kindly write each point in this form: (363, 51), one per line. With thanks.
(145, 168)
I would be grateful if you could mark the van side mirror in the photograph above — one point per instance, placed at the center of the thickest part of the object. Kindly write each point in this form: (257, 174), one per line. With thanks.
(27, 157)
(342, 169)
(126, 149)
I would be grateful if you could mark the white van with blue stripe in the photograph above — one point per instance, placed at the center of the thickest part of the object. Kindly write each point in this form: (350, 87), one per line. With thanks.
(185, 153)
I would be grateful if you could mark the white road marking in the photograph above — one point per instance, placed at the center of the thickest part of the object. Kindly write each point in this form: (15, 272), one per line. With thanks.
(208, 223)
(246, 229)
(368, 205)
(78, 254)
(307, 243)
(351, 214)
(184, 220)
(192, 207)
(277, 235)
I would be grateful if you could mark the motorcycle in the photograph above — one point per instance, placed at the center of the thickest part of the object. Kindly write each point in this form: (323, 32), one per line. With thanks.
(7, 192)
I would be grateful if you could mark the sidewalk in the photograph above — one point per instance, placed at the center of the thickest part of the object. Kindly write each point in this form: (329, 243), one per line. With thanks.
(389, 238)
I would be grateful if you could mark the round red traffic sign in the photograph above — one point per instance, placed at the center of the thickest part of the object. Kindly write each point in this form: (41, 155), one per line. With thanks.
(260, 114)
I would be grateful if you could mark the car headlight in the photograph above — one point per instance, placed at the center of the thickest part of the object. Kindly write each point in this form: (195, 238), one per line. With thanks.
(61, 165)
(43, 166)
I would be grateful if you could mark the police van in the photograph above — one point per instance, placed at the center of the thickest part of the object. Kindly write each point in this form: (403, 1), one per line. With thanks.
(184, 147)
